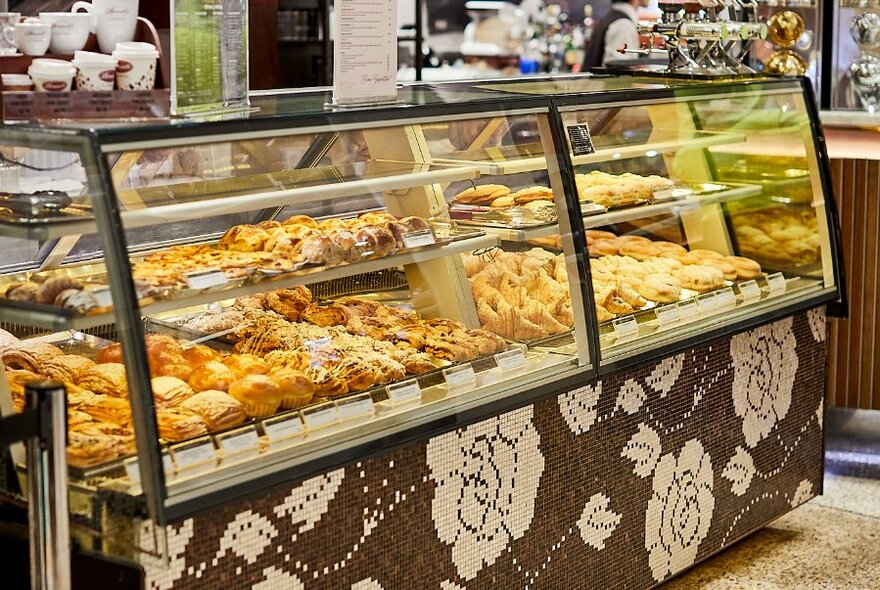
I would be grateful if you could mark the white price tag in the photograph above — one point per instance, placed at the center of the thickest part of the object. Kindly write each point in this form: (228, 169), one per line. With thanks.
(103, 297)
(668, 314)
(511, 360)
(418, 239)
(626, 327)
(133, 472)
(750, 290)
(206, 279)
(725, 298)
(407, 391)
(167, 464)
(243, 442)
(356, 407)
(688, 309)
(282, 428)
(320, 416)
(194, 455)
(458, 377)
(777, 283)
(708, 303)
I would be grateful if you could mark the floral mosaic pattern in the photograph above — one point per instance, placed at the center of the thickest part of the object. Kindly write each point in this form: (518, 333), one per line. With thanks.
(615, 485)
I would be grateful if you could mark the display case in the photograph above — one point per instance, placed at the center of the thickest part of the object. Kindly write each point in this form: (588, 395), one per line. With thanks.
(235, 303)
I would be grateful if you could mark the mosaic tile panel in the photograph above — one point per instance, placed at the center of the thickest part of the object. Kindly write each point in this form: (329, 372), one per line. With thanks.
(618, 484)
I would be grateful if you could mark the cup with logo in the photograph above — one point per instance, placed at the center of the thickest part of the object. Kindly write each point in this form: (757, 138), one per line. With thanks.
(52, 75)
(113, 21)
(8, 19)
(31, 36)
(137, 65)
(95, 72)
(70, 31)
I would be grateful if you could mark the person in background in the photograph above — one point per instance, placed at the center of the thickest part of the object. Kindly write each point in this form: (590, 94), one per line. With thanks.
(616, 29)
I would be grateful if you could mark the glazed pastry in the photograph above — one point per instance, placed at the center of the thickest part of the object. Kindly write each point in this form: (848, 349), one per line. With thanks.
(259, 395)
(110, 354)
(169, 364)
(700, 278)
(212, 375)
(358, 376)
(244, 238)
(211, 323)
(246, 364)
(329, 315)
(290, 359)
(304, 220)
(703, 254)
(198, 355)
(326, 384)
(481, 195)
(669, 247)
(30, 355)
(49, 290)
(106, 378)
(534, 193)
(26, 291)
(746, 268)
(297, 390)
(218, 409)
(110, 409)
(269, 225)
(175, 425)
(289, 303)
(170, 391)
(348, 244)
(503, 202)
(67, 367)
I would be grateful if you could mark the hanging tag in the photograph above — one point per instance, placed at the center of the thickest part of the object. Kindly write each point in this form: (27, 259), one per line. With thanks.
(461, 376)
(352, 408)
(750, 290)
(510, 360)
(404, 392)
(283, 428)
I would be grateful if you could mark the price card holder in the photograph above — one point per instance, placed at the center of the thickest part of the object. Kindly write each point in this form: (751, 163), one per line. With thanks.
(688, 309)
(750, 290)
(626, 327)
(320, 416)
(419, 239)
(511, 360)
(358, 407)
(725, 298)
(460, 377)
(239, 444)
(581, 140)
(103, 297)
(206, 279)
(668, 315)
(404, 392)
(133, 472)
(196, 455)
(284, 429)
(708, 303)
(777, 283)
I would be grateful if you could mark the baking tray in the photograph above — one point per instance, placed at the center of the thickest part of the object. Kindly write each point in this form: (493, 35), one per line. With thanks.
(510, 217)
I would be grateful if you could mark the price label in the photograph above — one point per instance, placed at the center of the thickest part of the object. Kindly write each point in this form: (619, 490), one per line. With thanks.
(407, 391)
(285, 427)
(581, 140)
(725, 298)
(206, 279)
(777, 283)
(356, 407)
(418, 239)
(103, 297)
(320, 416)
(511, 360)
(708, 303)
(462, 376)
(243, 442)
(626, 327)
(750, 290)
(193, 455)
(688, 309)
(668, 314)
(133, 471)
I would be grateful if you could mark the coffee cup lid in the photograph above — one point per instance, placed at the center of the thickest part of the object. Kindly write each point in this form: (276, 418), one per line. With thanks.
(136, 48)
(91, 57)
(52, 66)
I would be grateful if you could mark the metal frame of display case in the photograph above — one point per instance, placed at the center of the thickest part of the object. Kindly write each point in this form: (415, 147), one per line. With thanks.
(110, 226)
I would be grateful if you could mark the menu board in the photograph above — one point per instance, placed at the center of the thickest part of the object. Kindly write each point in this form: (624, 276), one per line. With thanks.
(365, 52)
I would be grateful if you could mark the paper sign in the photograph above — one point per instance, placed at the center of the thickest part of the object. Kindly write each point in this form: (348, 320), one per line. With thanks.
(283, 428)
(625, 327)
(240, 442)
(194, 454)
(417, 239)
(707, 302)
(510, 360)
(688, 309)
(463, 376)
(356, 407)
(750, 290)
(581, 140)
(206, 279)
(365, 52)
(320, 416)
(668, 314)
(725, 298)
(407, 391)
(777, 283)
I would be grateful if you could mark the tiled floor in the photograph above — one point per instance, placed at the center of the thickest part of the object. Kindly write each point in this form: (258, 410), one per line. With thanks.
(831, 543)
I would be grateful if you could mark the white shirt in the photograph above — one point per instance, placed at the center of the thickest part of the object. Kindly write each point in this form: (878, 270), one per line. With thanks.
(622, 31)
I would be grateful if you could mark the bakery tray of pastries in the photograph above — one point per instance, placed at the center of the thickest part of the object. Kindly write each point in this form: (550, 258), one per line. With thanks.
(496, 205)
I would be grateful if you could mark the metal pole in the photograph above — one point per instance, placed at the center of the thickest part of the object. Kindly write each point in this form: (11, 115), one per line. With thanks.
(47, 488)
(420, 41)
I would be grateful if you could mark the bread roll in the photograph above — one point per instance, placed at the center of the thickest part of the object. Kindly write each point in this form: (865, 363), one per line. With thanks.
(259, 395)
(246, 364)
(297, 389)
(481, 195)
(212, 375)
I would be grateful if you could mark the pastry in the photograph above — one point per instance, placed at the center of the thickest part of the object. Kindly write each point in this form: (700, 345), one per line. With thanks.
(110, 354)
(67, 368)
(503, 202)
(85, 450)
(289, 303)
(595, 234)
(244, 238)
(534, 193)
(538, 204)
(321, 250)
(728, 268)
(246, 364)
(218, 409)
(259, 395)
(358, 376)
(326, 315)
(669, 247)
(169, 364)
(303, 220)
(297, 390)
(49, 290)
(7, 339)
(326, 384)
(29, 355)
(481, 195)
(212, 375)
(211, 323)
(700, 278)
(415, 223)
(377, 241)
(106, 378)
(170, 391)
(175, 426)
(110, 409)
(662, 288)
(746, 268)
(638, 250)
(198, 355)
(604, 247)
(703, 254)
(26, 291)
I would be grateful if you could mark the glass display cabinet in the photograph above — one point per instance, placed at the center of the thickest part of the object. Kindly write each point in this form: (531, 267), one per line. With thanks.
(234, 303)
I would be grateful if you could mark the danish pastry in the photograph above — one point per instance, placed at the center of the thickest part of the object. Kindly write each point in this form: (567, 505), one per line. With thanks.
(746, 268)
(170, 391)
(106, 378)
(67, 367)
(29, 355)
(481, 195)
(175, 426)
(218, 409)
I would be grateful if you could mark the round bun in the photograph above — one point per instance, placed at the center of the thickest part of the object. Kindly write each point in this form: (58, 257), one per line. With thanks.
(246, 364)
(724, 266)
(298, 390)
(110, 354)
(170, 391)
(595, 234)
(639, 250)
(746, 268)
(604, 247)
(669, 247)
(212, 375)
(704, 254)
(200, 354)
(259, 395)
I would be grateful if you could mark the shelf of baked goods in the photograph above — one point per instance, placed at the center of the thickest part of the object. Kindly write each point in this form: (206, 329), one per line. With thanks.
(248, 259)
(500, 162)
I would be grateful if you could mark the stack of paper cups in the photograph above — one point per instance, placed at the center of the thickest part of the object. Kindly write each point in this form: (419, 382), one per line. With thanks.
(136, 69)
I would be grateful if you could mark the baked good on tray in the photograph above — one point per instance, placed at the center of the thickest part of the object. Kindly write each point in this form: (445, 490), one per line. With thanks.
(481, 195)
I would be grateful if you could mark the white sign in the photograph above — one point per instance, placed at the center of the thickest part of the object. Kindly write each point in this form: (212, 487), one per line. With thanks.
(206, 279)
(777, 283)
(668, 314)
(241, 442)
(511, 360)
(725, 298)
(192, 455)
(463, 376)
(750, 290)
(320, 416)
(708, 303)
(283, 428)
(688, 309)
(407, 391)
(365, 52)
(355, 407)
(418, 239)
(626, 327)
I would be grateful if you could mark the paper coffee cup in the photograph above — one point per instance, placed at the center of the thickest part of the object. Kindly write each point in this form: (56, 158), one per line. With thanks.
(17, 82)
(136, 69)
(51, 75)
(95, 72)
